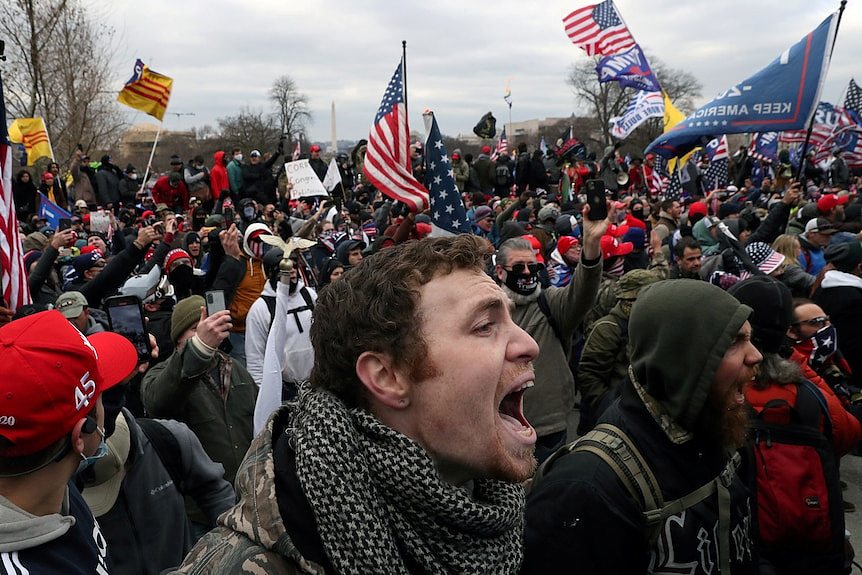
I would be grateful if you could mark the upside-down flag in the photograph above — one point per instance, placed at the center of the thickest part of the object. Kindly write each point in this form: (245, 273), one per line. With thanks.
(147, 91)
(387, 158)
(32, 134)
(781, 96)
(13, 279)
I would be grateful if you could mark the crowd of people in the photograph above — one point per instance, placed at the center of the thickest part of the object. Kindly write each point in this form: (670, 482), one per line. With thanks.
(665, 389)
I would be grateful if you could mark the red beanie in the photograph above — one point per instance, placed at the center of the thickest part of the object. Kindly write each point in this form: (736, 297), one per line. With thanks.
(175, 255)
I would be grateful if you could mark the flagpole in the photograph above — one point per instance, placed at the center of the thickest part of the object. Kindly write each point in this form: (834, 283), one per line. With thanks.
(814, 114)
(404, 76)
(150, 161)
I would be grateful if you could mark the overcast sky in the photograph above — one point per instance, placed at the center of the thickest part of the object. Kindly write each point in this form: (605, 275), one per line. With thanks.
(461, 53)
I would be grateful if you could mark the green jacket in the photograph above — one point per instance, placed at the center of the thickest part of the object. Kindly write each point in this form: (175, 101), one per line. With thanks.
(548, 403)
(184, 388)
(604, 360)
(234, 177)
(250, 538)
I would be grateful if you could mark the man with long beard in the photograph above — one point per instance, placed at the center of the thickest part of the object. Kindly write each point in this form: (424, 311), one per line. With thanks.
(682, 408)
(405, 452)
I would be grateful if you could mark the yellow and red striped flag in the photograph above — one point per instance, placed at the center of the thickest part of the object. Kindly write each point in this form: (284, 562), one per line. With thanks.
(147, 91)
(32, 133)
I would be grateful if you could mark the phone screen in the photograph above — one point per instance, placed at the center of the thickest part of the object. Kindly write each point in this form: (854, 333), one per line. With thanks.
(126, 318)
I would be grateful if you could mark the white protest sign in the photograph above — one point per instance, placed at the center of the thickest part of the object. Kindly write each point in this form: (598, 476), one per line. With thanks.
(332, 177)
(303, 179)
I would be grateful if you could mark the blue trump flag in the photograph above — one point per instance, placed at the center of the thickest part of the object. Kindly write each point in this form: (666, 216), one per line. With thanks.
(448, 216)
(781, 96)
(764, 147)
(630, 69)
(51, 212)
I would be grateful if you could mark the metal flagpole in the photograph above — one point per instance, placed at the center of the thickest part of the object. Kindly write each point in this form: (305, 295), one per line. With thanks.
(150, 161)
(814, 115)
(404, 78)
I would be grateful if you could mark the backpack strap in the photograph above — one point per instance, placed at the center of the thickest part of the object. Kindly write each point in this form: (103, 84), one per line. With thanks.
(270, 304)
(307, 297)
(613, 446)
(812, 407)
(167, 448)
(546, 310)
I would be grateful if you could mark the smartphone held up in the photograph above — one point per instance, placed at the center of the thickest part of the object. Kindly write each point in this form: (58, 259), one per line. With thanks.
(126, 317)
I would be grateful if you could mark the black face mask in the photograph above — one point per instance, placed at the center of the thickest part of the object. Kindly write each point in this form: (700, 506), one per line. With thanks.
(522, 284)
(181, 278)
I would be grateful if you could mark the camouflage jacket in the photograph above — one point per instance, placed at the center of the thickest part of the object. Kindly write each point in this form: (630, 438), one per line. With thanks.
(250, 538)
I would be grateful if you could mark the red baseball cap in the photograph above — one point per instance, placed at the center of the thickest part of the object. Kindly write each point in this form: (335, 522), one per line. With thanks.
(537, 247)
(697, 208)
(828, 202)
(315, 148)
(612, 247)
(51, 377)
(565, 243)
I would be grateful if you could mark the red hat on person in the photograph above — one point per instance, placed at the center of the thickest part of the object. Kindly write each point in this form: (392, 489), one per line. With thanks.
(697, 208)
(89, 249)
(613, 247)
(315, 148)
(47, 176)
(565, 243)
(537, 247)
(828, 202)
(174, 256)
(50, 383)
(486, 149)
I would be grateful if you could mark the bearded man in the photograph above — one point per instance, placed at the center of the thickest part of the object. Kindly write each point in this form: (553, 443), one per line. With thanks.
(682, 408)
(405, 452)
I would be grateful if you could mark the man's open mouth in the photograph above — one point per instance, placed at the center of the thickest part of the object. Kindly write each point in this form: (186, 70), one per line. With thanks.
(511, 411)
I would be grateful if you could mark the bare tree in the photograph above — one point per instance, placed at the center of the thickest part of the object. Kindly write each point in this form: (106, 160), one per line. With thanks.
(604, 101)
(58, 69)
(291, 107)
(250, 129)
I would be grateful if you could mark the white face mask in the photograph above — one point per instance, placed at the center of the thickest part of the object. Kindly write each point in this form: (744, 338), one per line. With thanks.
(238, 157)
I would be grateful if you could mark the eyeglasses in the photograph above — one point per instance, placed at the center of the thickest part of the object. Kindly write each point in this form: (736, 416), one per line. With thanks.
(520, 269)
(814, 322)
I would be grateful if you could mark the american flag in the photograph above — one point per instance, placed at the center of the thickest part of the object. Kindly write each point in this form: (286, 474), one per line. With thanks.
(387, 159)
(448, 216)
(833, 127)
(598, 29)
(13, 279)
(502, 146)
(674, 187)
(716, 174)
(853, 100)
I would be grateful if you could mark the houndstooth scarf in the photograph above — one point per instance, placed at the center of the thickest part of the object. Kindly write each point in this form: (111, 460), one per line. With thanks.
(381, 506)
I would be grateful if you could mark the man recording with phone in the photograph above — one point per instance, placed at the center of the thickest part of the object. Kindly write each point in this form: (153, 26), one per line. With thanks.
(551, 317)
(203, 387)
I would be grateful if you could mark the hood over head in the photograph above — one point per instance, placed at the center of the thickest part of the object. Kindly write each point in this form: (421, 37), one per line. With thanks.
(675, 365)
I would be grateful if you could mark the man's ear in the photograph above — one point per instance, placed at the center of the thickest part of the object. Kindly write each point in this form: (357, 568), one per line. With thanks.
(499, 271)
(77, 440)
(383, 383)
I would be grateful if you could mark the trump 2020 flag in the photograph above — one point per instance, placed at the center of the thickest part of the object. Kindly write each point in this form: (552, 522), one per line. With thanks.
(782, 96)
(448, 216)
(51, 212)
(764, 147)
(630, 69)
(643, 105)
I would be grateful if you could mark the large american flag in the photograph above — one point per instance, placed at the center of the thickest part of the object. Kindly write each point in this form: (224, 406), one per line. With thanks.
(387, 159)
(448, 216)
(13, 280)
(502, 146)
(598, 29)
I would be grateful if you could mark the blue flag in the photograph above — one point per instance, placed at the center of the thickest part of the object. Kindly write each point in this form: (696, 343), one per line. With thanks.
(51, 212)
(630, 69)
(781, 96)
(448, 216)
(764, 147)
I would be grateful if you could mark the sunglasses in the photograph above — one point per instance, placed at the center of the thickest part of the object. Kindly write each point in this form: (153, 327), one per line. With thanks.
(814, 322)
(520, 269)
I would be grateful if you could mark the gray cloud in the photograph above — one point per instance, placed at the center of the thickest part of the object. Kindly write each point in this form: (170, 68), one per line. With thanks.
(461, 54)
